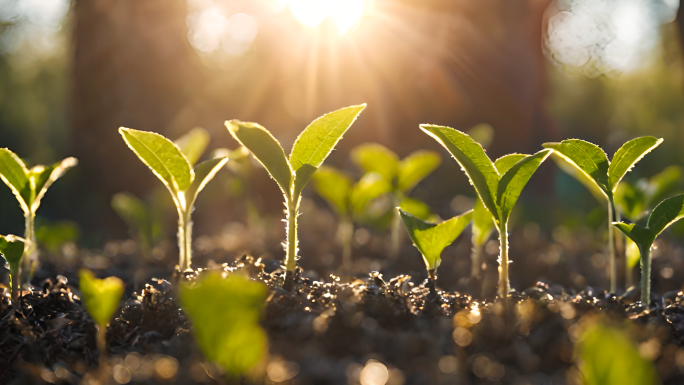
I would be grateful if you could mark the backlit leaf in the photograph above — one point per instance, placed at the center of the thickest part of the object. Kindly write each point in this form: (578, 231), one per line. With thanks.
(416, 208)
(588, 158)
(505, 163)
(664, 184)
(415, 167)
(570, 169)
(515, 179)
(193, 144)
(44, 177)
(666, 213)
(335, 187)
(642, 236)
(14, 173)
(100, 296)
(627, 156)
(266, 149)
(373, 157)
(11, 248)
(204, 173)
(483, 225)
(431, 238)
(162, 156)
(302, 177)
(371, 186)
(632, 254)
(631, 201)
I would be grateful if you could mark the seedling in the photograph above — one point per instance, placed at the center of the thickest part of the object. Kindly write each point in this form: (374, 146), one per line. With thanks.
(101, 298)
(12, 249)
(431, 239)
(348, 200)
(591, 162)
(29, 187)
(140, 218)
(483, 226)
(498, 184)
(225, 319)
(402, 175)
(666, 213)
(173, 168)
(310, 149)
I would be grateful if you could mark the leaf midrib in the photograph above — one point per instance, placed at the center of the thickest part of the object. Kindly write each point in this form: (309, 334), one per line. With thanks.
(327, 135)
(173, 179)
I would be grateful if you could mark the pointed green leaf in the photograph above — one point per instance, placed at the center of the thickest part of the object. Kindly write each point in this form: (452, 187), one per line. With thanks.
(630, 200)
(515, 179)
(642, 236)
(473, 160)
(666, 213)
(570, 169)
(483, 225)
(100, 296)
(302, 177)
(415, 167)
(266, 149)
(162, 156)
(316, 142)
(12, 249)
(416, 208)
(44, 177)
(335, 187)
(505, 163)
(431, 238)
(373, 157)
(14, 173)
(627, 156)
(193, 144)
(225, 317)
(632, 254)
(586, 157)
(204, 173)
(371, 186)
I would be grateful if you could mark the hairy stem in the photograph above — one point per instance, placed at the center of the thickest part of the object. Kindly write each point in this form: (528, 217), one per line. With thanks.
(28, 259)
(645, 274)
(612, 272)
(292, 246)
(184, 241)
(504, 284)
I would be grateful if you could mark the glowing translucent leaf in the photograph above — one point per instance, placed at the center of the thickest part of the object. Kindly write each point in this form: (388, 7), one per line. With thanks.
(204, 173)
(483, 225)
(14, 173)
(12, 249)
(335, 187)
(628, 155)
(631, 201)
(588, 158)
(632, 254)
(515, 179)
(44, 177)
(416, 208)
(415, 167)
(193, 144)
(504, 163)
(666, 213)
(371, 186)
(373, 157)
(100, 296)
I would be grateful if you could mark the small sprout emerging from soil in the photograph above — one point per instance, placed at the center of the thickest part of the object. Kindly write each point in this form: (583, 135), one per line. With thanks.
(101, 298)
(666, 213)
(609, 356)
(402, 176)
(603, 176)
(168, 162)
(140, 218)
(483, 226)
(12, 249)
(348, 200)
(498, 184)
(431, 238)
(225, 315)
(29, 186)
(310, 149)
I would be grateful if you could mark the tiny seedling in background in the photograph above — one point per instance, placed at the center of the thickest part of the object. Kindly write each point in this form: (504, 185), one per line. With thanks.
(498, 184)
(402, 175)
(225, 317)
(483, 227)
(600, 174)
(666, 213)
(310, 149)
(29, 186)
(101, 298)
(140, 218)
(348, 200)
(431, 239)
(12, 249)
(166, 160)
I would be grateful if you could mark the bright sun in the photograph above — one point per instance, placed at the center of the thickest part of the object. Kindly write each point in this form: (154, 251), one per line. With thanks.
(345, 13)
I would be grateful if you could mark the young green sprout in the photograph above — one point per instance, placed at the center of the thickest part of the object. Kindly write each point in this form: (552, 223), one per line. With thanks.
(12, 249)
(225, 319)
(602, 175)
(666, 213)
(348, 200)
(633, 201)
(498, 184)
(29, 186)
(431, 239)
(140, 218)
(310, 149)
(173, 167)
(483, 227)
(101, 298)
(402, 175)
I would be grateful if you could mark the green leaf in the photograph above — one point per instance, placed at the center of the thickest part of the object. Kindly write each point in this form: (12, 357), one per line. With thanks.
(473, 160)
(162, 156)
(642, 236)
(12, 249)
(415, 167)
(316, 142)
(14, 173)
(204, 173)
(631, 201)
(371, 186)
(44, 177)
(666, 213)
(632, 253)
(302, 176)
(609, 357)
(100, 296)
(588, 158)
(515, 179)
(570, 169)
(431, 238)
(335, 187)
(483, 225)
(373, 157)
(193, 144)
(416, 208)
(628, 155)
(227, 331)
(266, 149)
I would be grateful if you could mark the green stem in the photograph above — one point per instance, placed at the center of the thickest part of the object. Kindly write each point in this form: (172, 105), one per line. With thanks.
(28, 263)
(184, 241)
(504, 284)
(291, 248)
(475, 259)
(645, 274)
(101, 341)
(612, 272)
(395, 236)
(16, 287)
